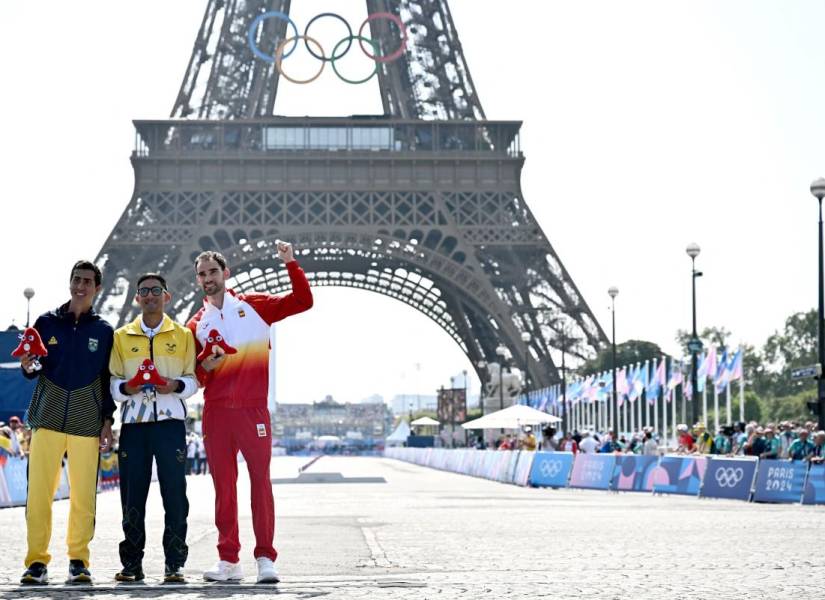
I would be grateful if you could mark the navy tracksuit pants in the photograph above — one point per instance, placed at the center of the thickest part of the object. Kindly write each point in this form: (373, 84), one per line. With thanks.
(140, 443)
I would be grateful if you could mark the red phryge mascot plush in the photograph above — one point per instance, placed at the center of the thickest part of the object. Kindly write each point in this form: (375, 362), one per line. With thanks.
(214, 341)
(147, 376)
(31, 343)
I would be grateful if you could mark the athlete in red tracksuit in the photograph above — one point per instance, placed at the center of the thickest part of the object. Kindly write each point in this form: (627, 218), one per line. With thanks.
(235, 416)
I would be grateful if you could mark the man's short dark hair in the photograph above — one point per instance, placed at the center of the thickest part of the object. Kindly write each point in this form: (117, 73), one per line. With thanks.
(87, 265)
(211, 255)
(146, 276)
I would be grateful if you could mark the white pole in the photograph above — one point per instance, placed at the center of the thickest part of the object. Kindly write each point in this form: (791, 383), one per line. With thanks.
(664, 415)
(592, 424)
(704, 404)
(641, 423)
(625, 419)
(742, 397)
(715, 407)
(656, 413)
(727, 402)
(674, 400)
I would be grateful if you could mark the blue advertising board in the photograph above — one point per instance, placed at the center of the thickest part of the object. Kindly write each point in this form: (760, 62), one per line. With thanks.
(15, 472)
(633, 473)
(780, 481)
(551, 469)
(679, 475)
(592, 471)
(815, 485)
(729, 478)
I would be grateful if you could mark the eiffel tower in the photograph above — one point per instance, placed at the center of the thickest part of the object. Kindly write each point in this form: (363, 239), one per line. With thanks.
(422, 204)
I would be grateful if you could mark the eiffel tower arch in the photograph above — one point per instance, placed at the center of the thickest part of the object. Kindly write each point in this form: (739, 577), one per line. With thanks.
(422, 204)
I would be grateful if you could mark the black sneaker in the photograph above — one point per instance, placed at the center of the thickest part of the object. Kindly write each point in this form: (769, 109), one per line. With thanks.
(78, 573)
(130, 573)
(36, 574)
(173, 575)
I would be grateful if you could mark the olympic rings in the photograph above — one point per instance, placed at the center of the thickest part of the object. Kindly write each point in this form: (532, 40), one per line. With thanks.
(279, 57)
(729, 477)
(250, 33)
(360, 39)
(349, 35)
(401, 47)
(281, 54)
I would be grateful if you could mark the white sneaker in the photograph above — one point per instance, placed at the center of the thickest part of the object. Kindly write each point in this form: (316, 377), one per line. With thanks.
(266, 571)
(224, 571)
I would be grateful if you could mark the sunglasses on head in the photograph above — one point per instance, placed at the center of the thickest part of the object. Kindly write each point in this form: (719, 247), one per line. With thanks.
(144, 291)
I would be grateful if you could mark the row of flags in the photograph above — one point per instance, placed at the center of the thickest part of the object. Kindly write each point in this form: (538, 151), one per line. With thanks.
(651, 378)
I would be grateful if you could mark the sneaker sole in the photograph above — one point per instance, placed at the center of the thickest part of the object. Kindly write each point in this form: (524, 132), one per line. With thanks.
(79, 579)
(215, 579)
(127, 579)
(34, 580)
(269, 580)
(174, 580)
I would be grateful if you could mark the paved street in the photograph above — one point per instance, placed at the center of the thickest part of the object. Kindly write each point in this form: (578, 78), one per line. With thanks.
(432, 534)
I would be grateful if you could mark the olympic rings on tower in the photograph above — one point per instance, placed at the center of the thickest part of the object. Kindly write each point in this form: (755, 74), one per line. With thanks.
(281, 53)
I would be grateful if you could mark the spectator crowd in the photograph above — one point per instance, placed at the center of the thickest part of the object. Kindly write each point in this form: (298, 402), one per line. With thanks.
(788, 440)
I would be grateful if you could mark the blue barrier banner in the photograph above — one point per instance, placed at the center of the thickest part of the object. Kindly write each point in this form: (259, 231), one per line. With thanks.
(17, 482)
(780, 481)
(633, 473)
(729, 478)
(679, 475)
(592, 471)
(815, 485)
(551, 469)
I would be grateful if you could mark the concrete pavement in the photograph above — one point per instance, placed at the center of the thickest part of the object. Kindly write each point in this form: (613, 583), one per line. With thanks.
(427, 534)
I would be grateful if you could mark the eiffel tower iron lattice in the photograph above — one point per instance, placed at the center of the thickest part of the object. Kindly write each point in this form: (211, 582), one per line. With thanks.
(422, 204)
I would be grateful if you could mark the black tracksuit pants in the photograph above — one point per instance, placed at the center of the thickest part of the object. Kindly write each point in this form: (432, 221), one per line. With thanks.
(165, 441)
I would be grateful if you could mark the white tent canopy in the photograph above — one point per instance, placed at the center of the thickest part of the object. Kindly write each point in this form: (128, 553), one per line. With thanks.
(425, 421)
(512, 417)
(400, 435)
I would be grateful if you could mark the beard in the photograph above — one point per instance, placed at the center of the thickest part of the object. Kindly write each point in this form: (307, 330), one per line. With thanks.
(210, 289)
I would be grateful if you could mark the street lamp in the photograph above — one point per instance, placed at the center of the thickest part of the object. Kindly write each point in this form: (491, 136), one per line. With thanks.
(613, 291)
(482, 366)
(29, 294)
(695, 344)
(464, 416)
(526, 337)
(564, 418)
(501, 352)
(818, 191)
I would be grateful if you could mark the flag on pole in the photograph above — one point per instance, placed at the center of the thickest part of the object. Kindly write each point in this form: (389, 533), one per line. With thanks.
(736, 370)
(653, 385)
(675, 375)
(707, 368)
(641, 379)
(723, 372)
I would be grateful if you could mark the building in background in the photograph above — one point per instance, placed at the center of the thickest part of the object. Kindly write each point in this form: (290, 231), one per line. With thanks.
(402, 404)
(362, 425)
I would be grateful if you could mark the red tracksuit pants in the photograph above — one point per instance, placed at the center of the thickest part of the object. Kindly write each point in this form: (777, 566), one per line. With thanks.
(225, 432)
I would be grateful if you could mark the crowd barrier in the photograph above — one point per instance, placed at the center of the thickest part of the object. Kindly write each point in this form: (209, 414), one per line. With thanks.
(742, 478)
(14, 479)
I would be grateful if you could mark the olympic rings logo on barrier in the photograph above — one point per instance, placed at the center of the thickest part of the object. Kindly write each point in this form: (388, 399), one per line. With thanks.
(550, 468)
(729, 476)
(281, 53)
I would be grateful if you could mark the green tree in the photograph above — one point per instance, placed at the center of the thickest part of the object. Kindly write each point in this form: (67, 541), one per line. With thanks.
(789, 408)
(631, 351)
(795, 346)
